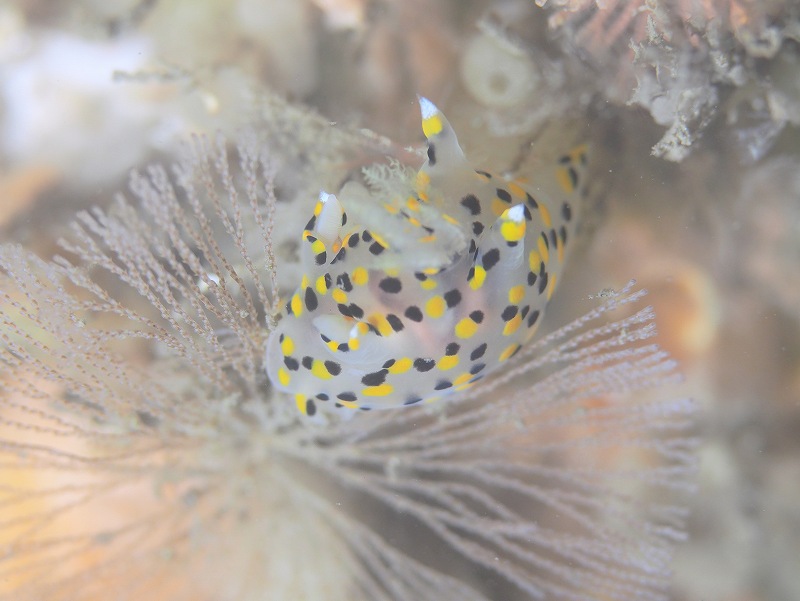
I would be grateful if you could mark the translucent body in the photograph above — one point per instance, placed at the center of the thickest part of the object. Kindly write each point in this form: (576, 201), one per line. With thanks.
(444, 285)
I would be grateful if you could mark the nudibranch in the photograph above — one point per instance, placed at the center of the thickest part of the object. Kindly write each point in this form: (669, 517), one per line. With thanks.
(429, 290)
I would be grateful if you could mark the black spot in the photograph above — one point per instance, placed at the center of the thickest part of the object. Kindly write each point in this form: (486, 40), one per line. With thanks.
(427, 229)
(562, 232)
(389, 363)
(344, 347)
(527, 212)
(472, 204)
(280, 338)
(333, 368)
(376, 248)
(553, 238)
(344, 218)
(564, 160)
(311, 223)
(546, 241)
(509, 312)
(307, 362)
(484, 173)
(478, 352)
(524, 311)
(443, 385)
(343, 282)
(573, 177)
(327, 280)
(355, 311)
(391, 285)
(322, 396)
(311, 408)
(324, 338)
(531, 201)
(470, 274)
(413, 313)
(289, 308)
(566, 211)
(452, 298)
(375, 378)
(395, 322)
(431, 155)
(344, 310)
(503, 195)
(424, 365)
(490, 258)
(476, 316)
(366, 236)
(420, 276)
(452, 349)
(477, 368)
(311, 300)
(531, 278)
(413, 400)
(291, 363)
(353, 240)
(322, 257)
(346, 396)
(543, 282)
(477, 228)
(532, 318)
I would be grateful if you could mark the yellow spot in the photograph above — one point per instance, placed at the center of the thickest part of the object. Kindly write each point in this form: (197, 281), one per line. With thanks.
(423, 196)
(333, 345)
(516, 294)
(462, 379)
(543, 249)
(401, 366)
(320, 371)
(428, 284)
(415, 222)
(509, 350)
(430, 270)
(435, 307)
(432, 125)
(360, 276)
(287, 346)
(382, 390)
(461, 387)
(427, 239)
(300, 401)
(447, 362)
(512, 325)
(304, 282)
(498, 206)
(512, 231)
(516, 190)
(412, 203)
(336, 246)
(321, 285)
(478, 279)
(318, 208)
(353, 344)
(283, 377)
(534, 261)
(379, 239)
(551, 286)
(423, 180)
(318, 246)
(381, 324)
(394, 272)
(348, 404)
(297, 305)
(560, 248)
(391, 209)
(449, 219)
(545, 213)
(339, 295)
(466, 328)
(562, 177)
(362, 328)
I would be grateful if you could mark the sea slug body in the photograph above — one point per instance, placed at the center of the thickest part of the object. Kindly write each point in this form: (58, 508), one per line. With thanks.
(448, 284)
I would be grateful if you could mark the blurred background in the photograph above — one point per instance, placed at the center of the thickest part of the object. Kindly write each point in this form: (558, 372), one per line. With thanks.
(692, 108)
